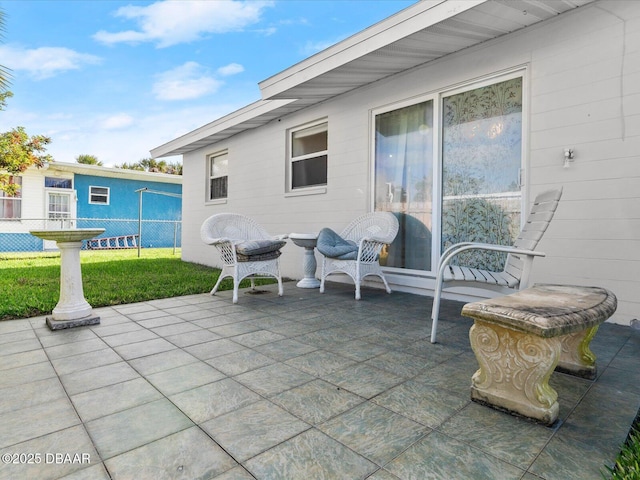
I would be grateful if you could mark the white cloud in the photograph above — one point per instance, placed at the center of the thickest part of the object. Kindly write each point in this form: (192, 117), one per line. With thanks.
(231, 69)
(44, 62)
(170, 22)
(114, 147)
(185, 82)
(311, 48)
(117, 122)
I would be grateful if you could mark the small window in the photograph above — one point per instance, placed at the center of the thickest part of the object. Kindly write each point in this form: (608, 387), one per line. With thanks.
(218, 175)
(99, 195)
(52, 182)
(11, 205)
(308, 162)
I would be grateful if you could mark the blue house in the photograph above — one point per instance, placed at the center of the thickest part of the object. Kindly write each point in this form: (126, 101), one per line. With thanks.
(134, 207)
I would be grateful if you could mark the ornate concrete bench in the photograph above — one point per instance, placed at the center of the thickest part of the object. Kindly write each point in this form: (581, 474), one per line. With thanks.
(520, 339)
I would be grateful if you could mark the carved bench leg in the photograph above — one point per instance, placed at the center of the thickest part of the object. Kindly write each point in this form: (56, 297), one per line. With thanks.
(576, 357)
(514, 371)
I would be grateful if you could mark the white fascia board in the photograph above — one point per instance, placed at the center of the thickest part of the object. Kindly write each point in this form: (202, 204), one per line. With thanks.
(250, 112)
(406, 22)
(113, 172)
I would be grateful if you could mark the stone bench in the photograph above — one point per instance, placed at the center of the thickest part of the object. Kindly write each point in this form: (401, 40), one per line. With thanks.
(520, 339)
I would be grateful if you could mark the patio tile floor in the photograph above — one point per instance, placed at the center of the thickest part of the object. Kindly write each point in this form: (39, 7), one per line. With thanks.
(305, 386)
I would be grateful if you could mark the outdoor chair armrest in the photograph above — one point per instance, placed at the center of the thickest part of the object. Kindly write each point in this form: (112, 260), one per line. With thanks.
(454, 250)
(373, 240)
(216, 241)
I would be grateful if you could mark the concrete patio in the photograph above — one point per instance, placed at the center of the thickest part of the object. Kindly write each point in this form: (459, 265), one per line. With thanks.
(304, 386)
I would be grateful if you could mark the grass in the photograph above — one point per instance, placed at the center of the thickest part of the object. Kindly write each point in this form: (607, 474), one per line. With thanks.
(627, 466)
(30, 282)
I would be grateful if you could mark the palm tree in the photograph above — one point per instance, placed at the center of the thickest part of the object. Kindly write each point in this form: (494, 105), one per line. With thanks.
(4, 71)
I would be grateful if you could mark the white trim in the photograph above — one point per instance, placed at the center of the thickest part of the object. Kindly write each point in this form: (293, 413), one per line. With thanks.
(299, 192)
(111, 172)
(107, 195)
(209, 176)
(291, 160)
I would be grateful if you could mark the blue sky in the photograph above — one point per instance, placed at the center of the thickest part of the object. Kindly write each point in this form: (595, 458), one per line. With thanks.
(115, 79)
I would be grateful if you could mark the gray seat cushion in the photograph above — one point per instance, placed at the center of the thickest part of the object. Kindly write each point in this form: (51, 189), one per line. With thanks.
(332, 245)
(259, 247)
(261, 257)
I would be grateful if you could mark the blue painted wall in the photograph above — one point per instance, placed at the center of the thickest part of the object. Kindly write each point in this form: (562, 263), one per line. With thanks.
(123, 201)
(124, 204)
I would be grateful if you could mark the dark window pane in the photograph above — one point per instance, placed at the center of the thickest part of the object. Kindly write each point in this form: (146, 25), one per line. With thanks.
(219, 187)
(51, 182)
(309, 172)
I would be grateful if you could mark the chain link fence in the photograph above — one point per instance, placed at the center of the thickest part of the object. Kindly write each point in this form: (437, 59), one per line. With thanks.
(118, 234)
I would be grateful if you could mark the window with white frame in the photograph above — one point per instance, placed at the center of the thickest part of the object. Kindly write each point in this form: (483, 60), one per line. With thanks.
(99, 195)
(218, 167)
(11, 204)
(308, 156)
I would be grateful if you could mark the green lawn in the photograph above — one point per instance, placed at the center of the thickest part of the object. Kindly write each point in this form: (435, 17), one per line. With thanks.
(30, 282)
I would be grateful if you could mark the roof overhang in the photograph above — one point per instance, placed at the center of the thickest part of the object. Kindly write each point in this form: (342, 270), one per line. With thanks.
(251, 116)
(112, 172)
(421, 33)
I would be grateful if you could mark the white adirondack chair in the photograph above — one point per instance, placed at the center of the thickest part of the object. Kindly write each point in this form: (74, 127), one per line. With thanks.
(245, 247)
(370, 232)
(519, 259)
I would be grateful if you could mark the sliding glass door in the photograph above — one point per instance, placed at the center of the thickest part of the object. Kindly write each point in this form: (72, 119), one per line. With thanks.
(477, 134)
(481, 161)
(404, 181)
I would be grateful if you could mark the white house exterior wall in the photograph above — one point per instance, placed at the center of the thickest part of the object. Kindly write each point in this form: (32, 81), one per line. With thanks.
(582, 78)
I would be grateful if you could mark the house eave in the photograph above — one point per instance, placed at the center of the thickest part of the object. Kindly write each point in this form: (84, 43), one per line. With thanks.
(253, 115)
(406, 22)
(419, 34)
(112, 172)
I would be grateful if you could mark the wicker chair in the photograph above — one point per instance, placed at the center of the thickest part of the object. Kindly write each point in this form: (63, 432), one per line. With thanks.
(245, 247)
(518, 263)
(370, 232)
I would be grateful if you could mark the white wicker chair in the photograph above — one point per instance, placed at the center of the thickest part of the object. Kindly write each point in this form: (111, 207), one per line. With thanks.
(228, 232)
(370, 232)
(517, 266)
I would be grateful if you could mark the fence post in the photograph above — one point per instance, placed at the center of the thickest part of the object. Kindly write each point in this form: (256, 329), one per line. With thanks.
(140, 219)
(175, 236)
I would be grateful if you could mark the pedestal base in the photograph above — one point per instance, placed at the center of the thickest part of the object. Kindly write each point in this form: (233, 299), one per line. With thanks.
(308, 283)
(77, 322)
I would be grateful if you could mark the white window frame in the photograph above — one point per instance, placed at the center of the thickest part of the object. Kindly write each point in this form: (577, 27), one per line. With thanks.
(13, 198)
(209, 176)
(307, 189)
(107, 195)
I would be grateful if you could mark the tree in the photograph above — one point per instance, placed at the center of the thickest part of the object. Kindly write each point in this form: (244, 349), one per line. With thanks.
(4, 72)
(152, 165)
(18, 150)
(88, 160)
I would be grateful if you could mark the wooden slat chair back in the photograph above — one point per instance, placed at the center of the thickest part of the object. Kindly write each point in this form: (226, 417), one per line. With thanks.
(517, 269)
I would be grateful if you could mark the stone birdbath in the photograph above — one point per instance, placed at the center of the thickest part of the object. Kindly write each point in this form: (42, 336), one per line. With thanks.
(308, 242)
(72, 309)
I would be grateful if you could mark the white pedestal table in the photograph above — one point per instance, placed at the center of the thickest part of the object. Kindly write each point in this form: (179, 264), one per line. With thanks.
(72, 309)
